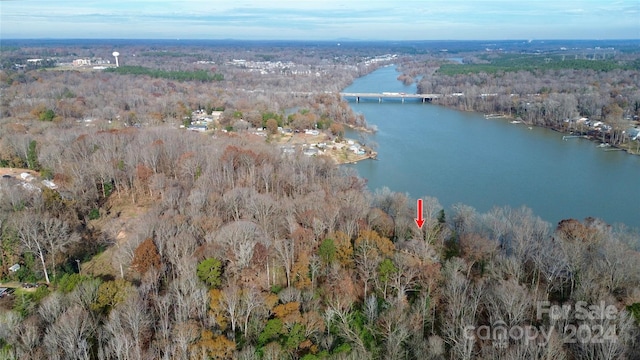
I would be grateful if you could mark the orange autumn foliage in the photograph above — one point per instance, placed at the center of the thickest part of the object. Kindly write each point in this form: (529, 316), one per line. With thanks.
(344, 249)
(216, 311)
(383, 244)
(300, 272)
(214, 347)
(289, 313)
(146, 256)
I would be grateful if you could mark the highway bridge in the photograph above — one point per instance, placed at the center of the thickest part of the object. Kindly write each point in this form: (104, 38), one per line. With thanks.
(390, 95)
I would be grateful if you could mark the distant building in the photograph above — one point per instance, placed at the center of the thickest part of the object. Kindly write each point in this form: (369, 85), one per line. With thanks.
(50, 184)
(634, 134)
(199, 128)
(288, 149)
(26, 176)
(81, 62)
(216, 115)
(14, 267)
(30, 187)
(311, 151)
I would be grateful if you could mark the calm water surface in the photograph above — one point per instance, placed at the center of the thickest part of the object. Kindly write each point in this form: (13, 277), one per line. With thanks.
(457, 157)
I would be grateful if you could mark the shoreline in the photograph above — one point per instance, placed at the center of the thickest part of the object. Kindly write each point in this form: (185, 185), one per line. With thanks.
(363, 129)
(582, 135)
(341, 151)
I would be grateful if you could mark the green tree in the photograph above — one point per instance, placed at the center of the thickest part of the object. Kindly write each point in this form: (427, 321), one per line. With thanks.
(68, 282)
(9, 246)
(94, 214)
(27, 302)
(295, 337)
(46, 173)
(110, 294)
(634, 309)
(272, 330)
(53, 201)
(210, 271)
(327, 251)
(47, 115)
(385, 270)
(32, 156)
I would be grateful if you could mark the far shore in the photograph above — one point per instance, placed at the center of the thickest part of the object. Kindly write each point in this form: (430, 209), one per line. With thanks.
(598, 139)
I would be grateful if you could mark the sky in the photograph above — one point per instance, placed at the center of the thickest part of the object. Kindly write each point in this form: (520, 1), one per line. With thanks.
(321, 19)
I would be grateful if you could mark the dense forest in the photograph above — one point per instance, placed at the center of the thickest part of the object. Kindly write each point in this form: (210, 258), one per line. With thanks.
(161, 243)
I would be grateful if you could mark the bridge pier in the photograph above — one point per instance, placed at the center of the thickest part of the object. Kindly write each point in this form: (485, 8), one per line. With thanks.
(357, 99)
(379, 100)
(403, 99)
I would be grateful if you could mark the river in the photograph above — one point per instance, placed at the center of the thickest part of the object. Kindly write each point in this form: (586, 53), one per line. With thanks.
(459, 157)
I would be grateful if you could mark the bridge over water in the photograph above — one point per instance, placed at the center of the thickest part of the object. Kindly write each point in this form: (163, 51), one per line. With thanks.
(390, 95)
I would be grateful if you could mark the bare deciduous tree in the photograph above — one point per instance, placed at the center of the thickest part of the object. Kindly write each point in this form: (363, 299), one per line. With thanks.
(230, 301)
(462, 299)
(70, 336)
(367, 260)
(45, 237)
(285, 250)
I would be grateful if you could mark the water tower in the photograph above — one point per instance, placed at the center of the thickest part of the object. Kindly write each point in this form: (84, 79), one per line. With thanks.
(115, 55)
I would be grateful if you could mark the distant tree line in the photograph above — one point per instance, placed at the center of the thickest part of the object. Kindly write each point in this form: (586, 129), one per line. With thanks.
(542, 62)
(197, 75)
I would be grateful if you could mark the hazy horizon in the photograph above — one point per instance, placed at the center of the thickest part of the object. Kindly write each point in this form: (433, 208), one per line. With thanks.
(329, 20)
(314, 40)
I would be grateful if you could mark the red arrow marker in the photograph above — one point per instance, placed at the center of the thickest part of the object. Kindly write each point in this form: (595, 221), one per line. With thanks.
(419, 220)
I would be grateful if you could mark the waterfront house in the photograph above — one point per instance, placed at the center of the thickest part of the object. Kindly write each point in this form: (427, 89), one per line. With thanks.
(311, 151)
(633, 133)
(26, 176)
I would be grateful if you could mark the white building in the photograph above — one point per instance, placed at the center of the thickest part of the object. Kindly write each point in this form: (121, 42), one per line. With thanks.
(81, 62)
(26, 176)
